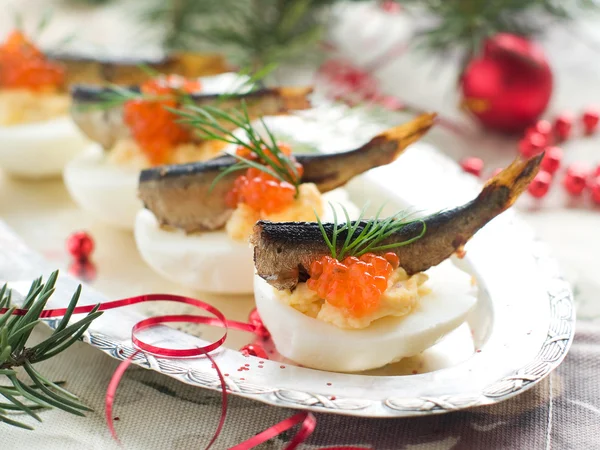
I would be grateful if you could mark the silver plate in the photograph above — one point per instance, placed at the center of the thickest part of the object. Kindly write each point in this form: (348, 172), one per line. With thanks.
(520, 331)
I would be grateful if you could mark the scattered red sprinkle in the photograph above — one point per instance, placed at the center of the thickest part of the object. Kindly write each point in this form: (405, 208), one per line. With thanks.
(478, 350)
(575, 179)
(563, 125)
(333, 397)
(552, 159)
(595, 189)
(282, 367)
(543, 127)
(328, 384)
(472, 165)
(242, 379)
(116, 418)
(590, 118)
(540, 185)
(260, 367)
(261, 362)
(247, 365)
(225, 374)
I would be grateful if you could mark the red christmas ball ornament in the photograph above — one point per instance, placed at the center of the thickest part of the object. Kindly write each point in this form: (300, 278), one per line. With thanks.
(254, 350)
(540, 185)
(563, 126)
(80, 245)
(85, 270)
(575, 179)
(473, 166)
(590, 119)
(595, 189)
(532, 144)
(552, 159)
(510, 85)
(259, 328)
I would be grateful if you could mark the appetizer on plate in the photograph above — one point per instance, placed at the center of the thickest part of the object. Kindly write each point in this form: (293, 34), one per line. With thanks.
(198, 217)
(134, 129)
(360, 295)
(37, 136)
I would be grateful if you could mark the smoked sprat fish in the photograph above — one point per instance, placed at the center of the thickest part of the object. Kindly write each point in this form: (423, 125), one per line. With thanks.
(129, 71)
(284, 251)
(106, 126)
(180, 196)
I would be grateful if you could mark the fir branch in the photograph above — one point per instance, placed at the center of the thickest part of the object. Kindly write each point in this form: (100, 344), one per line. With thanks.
(15, 331)
(465, 24)
(206, 121)
(370, 239)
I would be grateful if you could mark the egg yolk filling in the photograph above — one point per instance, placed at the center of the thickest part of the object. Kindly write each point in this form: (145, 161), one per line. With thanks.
(354, 292)
(256, 195)
(156, 137)
(29, 83)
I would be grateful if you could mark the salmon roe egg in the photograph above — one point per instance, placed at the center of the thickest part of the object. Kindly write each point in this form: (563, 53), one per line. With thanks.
(23, 65)
(259, 190)
(354, 284)
(153, 127)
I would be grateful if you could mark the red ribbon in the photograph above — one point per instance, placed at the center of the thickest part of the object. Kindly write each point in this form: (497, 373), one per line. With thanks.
(307, 420)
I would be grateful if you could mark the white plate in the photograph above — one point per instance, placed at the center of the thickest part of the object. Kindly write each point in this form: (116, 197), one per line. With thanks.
(520, 331)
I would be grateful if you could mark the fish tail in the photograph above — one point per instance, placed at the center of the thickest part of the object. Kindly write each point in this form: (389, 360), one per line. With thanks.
(514, 179)
(295, 98)
(409, 132)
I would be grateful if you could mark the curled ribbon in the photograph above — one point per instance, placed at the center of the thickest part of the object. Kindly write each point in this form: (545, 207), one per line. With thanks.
(306, 419)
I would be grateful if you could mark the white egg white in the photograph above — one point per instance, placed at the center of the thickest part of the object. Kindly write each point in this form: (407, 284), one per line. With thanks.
(210, 261)
(39, 150)
(321, 345)
(108, 191)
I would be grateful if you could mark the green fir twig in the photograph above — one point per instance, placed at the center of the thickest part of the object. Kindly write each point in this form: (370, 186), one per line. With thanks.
(16, 356)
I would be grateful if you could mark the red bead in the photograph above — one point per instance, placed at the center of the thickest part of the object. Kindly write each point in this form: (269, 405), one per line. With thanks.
(83, 269)
(532, 144)
(540, 185)
(563, 125)
(254, 350)
(473, 166)
(575, 179)
(543, 127)
(552, 159)
(595, 189)
(80, 245)
(591, 117)
(259, 328)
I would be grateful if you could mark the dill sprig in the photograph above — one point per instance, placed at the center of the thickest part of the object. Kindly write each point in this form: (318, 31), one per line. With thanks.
(207, 120)
(374, 232)
(116, 95)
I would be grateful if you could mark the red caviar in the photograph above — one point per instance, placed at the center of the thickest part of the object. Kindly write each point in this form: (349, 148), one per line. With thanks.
(259, 190)
(153, 127)
(24, 66)
(354, 284)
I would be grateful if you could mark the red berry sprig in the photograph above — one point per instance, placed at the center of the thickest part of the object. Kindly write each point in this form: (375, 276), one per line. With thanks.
(80, 246)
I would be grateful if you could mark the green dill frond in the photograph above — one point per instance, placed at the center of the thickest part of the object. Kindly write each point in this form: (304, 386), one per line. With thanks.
(372, 235)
